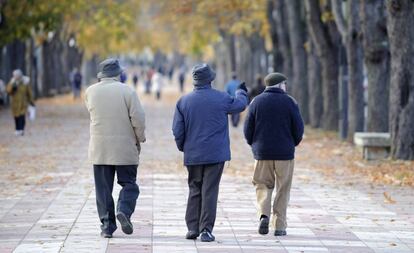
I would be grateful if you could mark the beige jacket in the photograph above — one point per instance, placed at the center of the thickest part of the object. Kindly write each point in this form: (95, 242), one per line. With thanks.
(117, 125)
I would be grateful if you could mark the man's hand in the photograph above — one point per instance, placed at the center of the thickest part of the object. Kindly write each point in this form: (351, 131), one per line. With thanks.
(242, 86)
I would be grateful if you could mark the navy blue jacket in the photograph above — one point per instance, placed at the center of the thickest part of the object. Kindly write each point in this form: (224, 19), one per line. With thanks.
(273, 126)
(200, 125)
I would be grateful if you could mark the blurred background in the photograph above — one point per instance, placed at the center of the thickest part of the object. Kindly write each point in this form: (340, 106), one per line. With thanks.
(349, 63)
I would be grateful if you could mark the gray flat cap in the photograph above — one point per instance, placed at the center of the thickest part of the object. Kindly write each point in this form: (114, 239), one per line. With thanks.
(109, 68)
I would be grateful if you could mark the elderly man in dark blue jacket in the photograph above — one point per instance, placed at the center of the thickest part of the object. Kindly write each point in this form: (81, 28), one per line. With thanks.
(273, 128)
(201, 131)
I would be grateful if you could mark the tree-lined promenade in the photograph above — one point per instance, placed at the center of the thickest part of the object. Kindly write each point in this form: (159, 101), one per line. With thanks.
(225, 126)
(349, 63)
(48, 201)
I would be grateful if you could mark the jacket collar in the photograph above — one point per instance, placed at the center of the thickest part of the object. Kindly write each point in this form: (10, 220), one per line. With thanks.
(274, 90)
(110, 79)
(202, 87)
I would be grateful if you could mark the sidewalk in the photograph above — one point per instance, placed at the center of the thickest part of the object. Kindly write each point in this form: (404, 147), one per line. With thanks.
(47, 199)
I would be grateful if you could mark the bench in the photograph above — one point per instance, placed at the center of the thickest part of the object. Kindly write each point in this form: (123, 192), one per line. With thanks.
(375, 146)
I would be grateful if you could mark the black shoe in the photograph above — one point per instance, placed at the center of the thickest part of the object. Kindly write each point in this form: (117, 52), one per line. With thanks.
(280, 232)
(207, 236)
(106, 235)
(264, 226)
(126, 224)
(191, 235)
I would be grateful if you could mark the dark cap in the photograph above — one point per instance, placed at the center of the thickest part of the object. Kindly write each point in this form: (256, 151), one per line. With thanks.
(274, 78)
(203, 74)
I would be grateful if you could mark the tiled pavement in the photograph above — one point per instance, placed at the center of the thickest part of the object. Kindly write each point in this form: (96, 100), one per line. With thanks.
(47, 200)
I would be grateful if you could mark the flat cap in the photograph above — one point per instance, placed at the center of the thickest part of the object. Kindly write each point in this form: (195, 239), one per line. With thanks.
(274, 78)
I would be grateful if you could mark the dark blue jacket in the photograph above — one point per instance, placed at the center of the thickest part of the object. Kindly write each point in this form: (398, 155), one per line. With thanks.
(200, 124)
(273, 126)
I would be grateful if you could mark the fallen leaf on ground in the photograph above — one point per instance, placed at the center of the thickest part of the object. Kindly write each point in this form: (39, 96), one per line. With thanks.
(388, 199)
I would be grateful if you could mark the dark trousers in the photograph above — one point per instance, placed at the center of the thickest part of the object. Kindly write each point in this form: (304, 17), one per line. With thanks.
(235, 118)
(104, 183)
(203, 183)
(20, 122)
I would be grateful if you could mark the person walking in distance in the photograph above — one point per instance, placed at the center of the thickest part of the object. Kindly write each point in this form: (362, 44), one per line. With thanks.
(117, 129)
(231, 88)
(273, 128)
(21, 96)
(76, 83)
(157, 83)
(200, 128)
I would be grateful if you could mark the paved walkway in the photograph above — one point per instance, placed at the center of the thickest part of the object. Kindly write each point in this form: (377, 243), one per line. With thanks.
(47, 200)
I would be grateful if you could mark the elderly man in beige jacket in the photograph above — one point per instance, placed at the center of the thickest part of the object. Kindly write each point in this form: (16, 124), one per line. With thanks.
(117, 127)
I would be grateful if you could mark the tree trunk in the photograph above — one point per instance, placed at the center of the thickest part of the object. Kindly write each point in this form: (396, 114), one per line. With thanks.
(350, 31)
(257, 64)
(315, 87)
(245, 59)
(225, 59)
(297, 35)
(377, 63)
(325, 37)
(280, 17)
(401, 35)
(54, 77)
(12, 57)
(277, 58)
(90, 70)
(355, 70)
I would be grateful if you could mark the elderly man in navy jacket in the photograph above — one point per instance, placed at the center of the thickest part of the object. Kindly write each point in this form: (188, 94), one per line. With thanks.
(201, 131)
(273, 128)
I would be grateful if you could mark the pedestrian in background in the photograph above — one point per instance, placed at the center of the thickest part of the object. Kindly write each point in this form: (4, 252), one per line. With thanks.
(135, 80)
(123, 78)
(117, 129)
(273, 128)
(148, 81)
(181, 78)
(201, 131)
(157, 83)
(21, 96)
(258, 88)
(76, 83)
(231, 88)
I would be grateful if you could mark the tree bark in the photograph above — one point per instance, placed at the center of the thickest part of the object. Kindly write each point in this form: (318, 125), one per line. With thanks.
(325, 38)
(54, 77)
(280, 17)
(377, 63)
(401, 36)
(225, 59)
(297, 35)
(277, 57)
(350, 31)
(315, 87)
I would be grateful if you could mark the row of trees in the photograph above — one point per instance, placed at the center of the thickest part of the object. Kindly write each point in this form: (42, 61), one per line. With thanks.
(48, 39)
(327, 48)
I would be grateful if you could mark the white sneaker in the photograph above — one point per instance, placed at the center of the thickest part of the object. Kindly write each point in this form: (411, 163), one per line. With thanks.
(17, 132)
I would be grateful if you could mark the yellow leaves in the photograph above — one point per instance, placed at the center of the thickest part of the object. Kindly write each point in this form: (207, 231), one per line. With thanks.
(197, 24)
(322, 151)
(327, 16)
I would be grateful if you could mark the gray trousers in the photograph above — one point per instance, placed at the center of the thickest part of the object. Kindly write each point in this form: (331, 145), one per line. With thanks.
(104, 184)
(203, 183)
